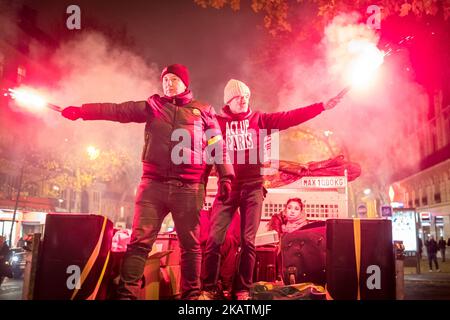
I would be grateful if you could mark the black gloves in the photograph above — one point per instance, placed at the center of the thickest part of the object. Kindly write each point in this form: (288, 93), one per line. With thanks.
(71, 113)
(224, 190)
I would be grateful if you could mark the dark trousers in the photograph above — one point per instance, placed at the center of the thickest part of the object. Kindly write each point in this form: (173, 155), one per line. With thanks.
(248, 197)
(442, 254)
(154, 200)
(432, 257)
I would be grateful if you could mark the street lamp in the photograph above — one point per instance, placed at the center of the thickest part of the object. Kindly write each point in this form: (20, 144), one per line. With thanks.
(327, 133)
(92, 152)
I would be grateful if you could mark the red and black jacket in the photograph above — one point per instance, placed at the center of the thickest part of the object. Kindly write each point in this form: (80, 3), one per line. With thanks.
(242, 135)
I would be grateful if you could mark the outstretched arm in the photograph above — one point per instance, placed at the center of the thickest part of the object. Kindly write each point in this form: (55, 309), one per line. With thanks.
(284, 120)
(287, 119)
(130, 111)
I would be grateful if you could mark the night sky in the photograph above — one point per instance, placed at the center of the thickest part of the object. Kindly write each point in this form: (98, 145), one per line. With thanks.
(215, 44)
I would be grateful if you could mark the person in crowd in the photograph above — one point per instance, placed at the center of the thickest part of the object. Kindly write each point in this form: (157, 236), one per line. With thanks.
(419, 247)
(292, 218)
(5, 255)
(432, 249)
(244, 131)
(170, 182)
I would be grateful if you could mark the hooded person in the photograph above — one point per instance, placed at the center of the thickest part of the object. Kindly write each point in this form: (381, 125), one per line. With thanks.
(5, 255)
(170, 182)
(244, 130)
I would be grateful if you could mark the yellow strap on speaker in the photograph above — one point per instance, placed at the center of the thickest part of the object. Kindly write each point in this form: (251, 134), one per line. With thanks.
(90, 263)
(357, 240)
(99, 282)
(357, 245)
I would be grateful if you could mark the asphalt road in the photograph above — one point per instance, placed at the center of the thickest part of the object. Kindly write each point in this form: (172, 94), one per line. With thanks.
(424, 286)
(417, 287)
(11, 289)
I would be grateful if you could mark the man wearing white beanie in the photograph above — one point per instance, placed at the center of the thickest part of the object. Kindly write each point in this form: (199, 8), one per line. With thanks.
(235, 88)
(241, 128)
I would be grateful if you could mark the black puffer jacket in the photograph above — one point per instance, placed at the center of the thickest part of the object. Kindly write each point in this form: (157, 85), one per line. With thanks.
(164, 117)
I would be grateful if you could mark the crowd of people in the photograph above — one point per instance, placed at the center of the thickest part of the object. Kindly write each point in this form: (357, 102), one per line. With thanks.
(433, 247)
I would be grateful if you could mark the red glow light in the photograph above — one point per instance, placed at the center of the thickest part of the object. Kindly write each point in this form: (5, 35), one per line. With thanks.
(367, 58)
(26, 98)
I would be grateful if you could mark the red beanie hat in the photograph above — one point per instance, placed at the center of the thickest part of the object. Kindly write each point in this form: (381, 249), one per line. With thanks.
(179, 70)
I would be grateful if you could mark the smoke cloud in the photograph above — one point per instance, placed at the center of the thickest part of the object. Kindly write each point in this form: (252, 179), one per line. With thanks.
(8, 21)
(371, 124)
(93, 70)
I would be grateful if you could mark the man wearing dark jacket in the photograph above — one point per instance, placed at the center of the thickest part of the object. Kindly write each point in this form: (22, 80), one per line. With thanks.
(5, 253)
(432, 249)
(242, 129)
(168, 184)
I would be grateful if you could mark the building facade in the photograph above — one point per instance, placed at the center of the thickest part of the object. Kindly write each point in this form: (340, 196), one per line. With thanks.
(428, 188)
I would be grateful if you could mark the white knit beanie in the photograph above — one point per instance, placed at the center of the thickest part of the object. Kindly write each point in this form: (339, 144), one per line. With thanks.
(234, 88)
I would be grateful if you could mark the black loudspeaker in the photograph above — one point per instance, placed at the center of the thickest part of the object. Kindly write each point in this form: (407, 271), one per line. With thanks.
(265, 264)
(360, 259)
(74, 259)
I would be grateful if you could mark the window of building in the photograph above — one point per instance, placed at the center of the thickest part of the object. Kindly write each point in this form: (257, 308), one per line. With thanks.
(416, 203)
(21, 74)
(13, 181)
(96, 196)
(32, 189)
(431, 106)
(446, 116)
(437, 197)
(3, 181)
(73, 195)
(424, 200)
(422, 143)
(433, 133)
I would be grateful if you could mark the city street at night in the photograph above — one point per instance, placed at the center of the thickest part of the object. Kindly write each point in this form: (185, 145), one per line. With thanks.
(225, 150)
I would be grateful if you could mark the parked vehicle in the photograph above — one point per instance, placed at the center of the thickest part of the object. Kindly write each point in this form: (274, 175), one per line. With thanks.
(17, 262)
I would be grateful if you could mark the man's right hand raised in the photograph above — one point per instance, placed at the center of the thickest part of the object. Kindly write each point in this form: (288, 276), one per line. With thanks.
(71, 113)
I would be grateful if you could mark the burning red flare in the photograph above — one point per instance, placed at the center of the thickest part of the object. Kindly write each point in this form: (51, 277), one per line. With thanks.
(366, 60)
(28, 99)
